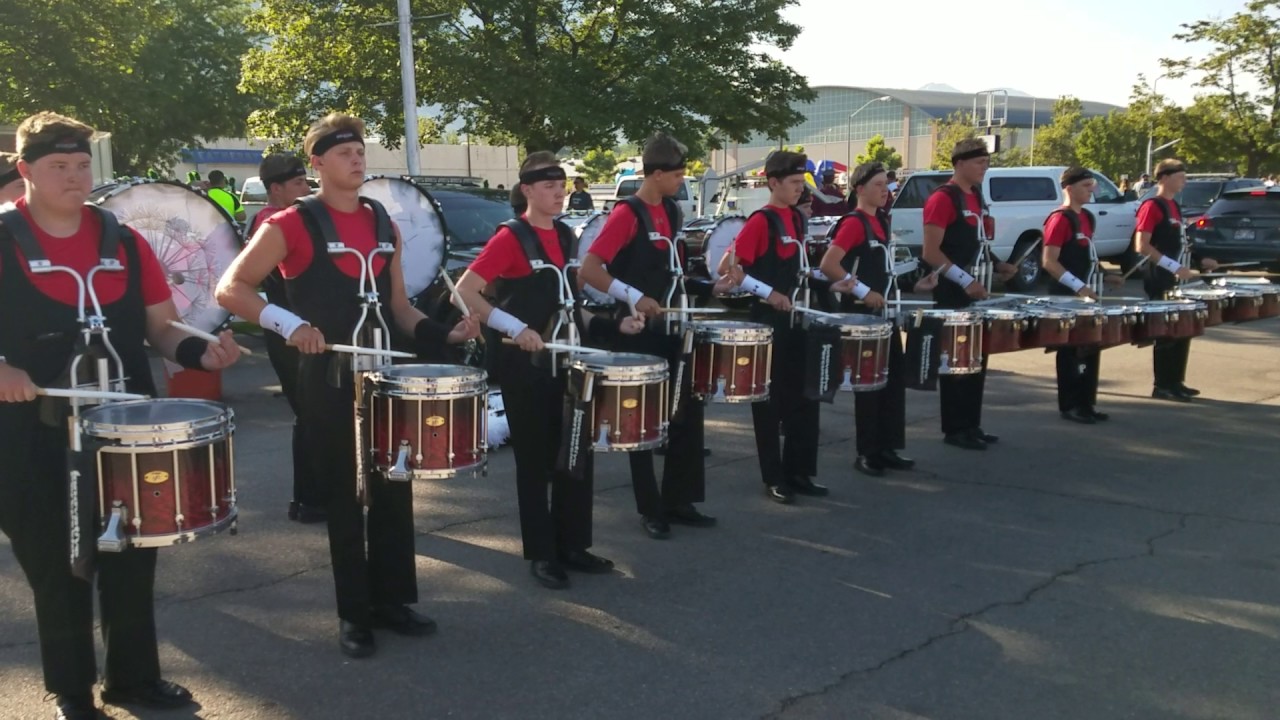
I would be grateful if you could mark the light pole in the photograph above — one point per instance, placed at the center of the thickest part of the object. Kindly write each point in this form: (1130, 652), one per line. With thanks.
(408, 83)
(1151, 129)
(849, 135)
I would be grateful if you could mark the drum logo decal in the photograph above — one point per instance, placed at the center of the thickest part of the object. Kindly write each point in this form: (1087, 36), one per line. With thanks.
(435, 421)
(962, 338)
(866, 353)
(744, 361)
(156, 477)
(630, 403)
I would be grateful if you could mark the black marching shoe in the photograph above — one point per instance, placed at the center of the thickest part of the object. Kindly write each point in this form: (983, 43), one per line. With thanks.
(1173, 394)
(964, 441)
(1097, 416)
(805, 485)
(355, 641)
(1084, 417)
(307, 514)
(688, 514)
(869, 466)
(158, 695)
(781, 494)
(585, 562)
(891, 459)
(549, 574)
(76, 707)
(984, 436)
(655, 527)
(1188, 390)
(402, 620)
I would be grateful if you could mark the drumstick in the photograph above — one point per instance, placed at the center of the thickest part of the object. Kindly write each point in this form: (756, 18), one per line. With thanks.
(1140, 263)
(561, 347)
(458, 302)
(1026, 254)
(694, 310)
(1238, 264)
(88, 394)
(210, 337)
(357, 350)
(811, 311)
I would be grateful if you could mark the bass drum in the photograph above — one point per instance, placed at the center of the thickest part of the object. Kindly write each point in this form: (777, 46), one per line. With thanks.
(587, 231)
(422, 229)
(719, 239)
(190, 234)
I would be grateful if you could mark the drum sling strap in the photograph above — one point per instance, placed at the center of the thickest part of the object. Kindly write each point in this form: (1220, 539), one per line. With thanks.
(924, 352)
(822, 354)
(575, 430)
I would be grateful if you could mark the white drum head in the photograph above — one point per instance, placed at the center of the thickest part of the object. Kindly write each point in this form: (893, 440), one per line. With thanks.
(587, 233)
(190, 235)
(421, 224)
(719, 239)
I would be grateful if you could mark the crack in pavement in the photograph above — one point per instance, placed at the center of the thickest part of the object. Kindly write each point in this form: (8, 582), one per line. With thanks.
(961, 623)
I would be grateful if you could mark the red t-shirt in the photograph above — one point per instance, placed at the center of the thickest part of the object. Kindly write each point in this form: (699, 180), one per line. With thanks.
(1057, 230)
(263, 215)
(852, 234)
(1150, 216)
(502, 256)
(940, 211)
(355, 230)
(753, 238)
(80, 253)
(620, 228)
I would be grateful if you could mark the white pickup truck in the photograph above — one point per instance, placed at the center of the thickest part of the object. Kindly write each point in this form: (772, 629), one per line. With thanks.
(686, 197)
(1020, 199)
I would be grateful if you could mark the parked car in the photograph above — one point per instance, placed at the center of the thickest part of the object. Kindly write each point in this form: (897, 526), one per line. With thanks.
(1241, 225)
(471, 216)
(1202, 190)
(253, 196)
(1020, 199)
(687, 197)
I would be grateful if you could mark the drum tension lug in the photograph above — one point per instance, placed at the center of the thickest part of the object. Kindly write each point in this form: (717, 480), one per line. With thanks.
(719, 396)
(847, 385)
(602, 442)
(400, 470)
(113, 538)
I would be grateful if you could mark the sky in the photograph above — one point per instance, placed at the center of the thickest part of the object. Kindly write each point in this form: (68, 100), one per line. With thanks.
(1096, 51)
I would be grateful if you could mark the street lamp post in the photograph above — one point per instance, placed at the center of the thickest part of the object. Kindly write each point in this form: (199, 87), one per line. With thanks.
(849, 134)
(1151, 129)
(408, 83)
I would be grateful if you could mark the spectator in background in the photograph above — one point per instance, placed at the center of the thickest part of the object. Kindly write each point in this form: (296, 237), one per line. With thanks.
(837, 207)
(580, 199)
(1143, 183)
(892, 177)
(12, 186)
(227, 200)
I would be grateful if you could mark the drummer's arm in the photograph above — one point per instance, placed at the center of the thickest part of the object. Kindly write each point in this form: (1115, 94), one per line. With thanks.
(1049, 259)
(830, 266)
(237, 290)
(426, 332)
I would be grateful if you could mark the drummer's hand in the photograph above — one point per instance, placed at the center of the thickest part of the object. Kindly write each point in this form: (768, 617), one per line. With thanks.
(844, 286)
(1208, 264)
(529, 341)
(1184, 273)
(976, 291)
(467, 328)
(15, 384)
(631, 325)
(308, 340)
(1113, 280)
(874, 300)
(1086, 292)
(736, 273)
(648, 307)
(1005, 270)
(779, 302)
(221, 354)
(926, 283)
(724, 285)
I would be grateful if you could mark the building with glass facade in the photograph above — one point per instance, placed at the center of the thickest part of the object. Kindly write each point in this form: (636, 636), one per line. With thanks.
(838, 124)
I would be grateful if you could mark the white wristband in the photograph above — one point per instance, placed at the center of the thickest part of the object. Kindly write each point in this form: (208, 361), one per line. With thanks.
(506, 323)
(623, 292)
(757, 288)
(861, 290)
(1071, 281)
(958, 276)
(280, 321)
(1169, 264)
(847, 276)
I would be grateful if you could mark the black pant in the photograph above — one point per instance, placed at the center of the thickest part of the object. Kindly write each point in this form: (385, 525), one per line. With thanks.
(284, 360)
(33, 513)
(373, 558)
(684, 472)
(1078, 377)
(1168, 356)
(787, 408)
(534, 404)
(960, 398)
(880, 416)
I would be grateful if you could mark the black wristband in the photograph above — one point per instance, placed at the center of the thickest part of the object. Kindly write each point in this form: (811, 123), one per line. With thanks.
(430, 335)
(190, 352)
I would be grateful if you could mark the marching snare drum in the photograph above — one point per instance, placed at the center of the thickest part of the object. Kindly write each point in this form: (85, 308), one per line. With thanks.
(732, 360)
(864, 350)
(1245, 304)
(630, 402)
(1216, 302)
(1117, 324)
(1047, 326)
(1187, 317)
(166, 469)
(1003, 330)
(960, 341)
(1087, 320)
(1270, 294)
(428, 421)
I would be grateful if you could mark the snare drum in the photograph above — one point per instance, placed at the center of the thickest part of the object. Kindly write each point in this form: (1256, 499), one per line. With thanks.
(1003, 330)
(1270, 294)
(1170, 319)
(1187, 318)
(1244, 305)
(428, 421)
(960, 339)
(1118, 322)
(864, 350)
(1047, 326)
(166, 469)
(732, 360)
(630, 404)
(1216, 302)
(1087, 321)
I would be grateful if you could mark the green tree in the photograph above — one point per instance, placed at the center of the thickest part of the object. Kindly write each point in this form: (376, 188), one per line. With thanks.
(878, 151)
(159, 75)
(430, 132)
(598, 165)
(959, 126)
(1114, 144)
(1056, 141)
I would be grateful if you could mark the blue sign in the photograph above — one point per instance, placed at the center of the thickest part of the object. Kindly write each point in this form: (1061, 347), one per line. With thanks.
(213, 156)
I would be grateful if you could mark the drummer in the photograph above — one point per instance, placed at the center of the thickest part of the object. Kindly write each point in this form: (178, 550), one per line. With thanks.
(1161, 239)
(374, 577)
(285, 177)
(12, 185)
(36, 349)
(1068, 233)
(880, 416)
(555, 537)
(635, 246)
(767, 253)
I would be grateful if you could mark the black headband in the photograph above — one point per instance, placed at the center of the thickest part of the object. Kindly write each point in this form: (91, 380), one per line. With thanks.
(1171, 170)
(867, 175)
(970, 154)
(296, 169)
(550, 172)
(9, 177)
(788, 172)
(650, 168)
(65, 144)
(335, 138)
(1076, 177)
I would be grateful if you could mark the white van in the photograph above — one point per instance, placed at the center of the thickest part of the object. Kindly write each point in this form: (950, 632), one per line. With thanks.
(686, 198)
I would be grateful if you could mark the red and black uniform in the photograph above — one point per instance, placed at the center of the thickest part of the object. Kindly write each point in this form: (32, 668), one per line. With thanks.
(958, 212)
(635, 244)
(764, 255)
(534, 399)
(838, 208)
(1163, 219)
(377, 568)
(42, 338)
(880, 416)
(1072, 233)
